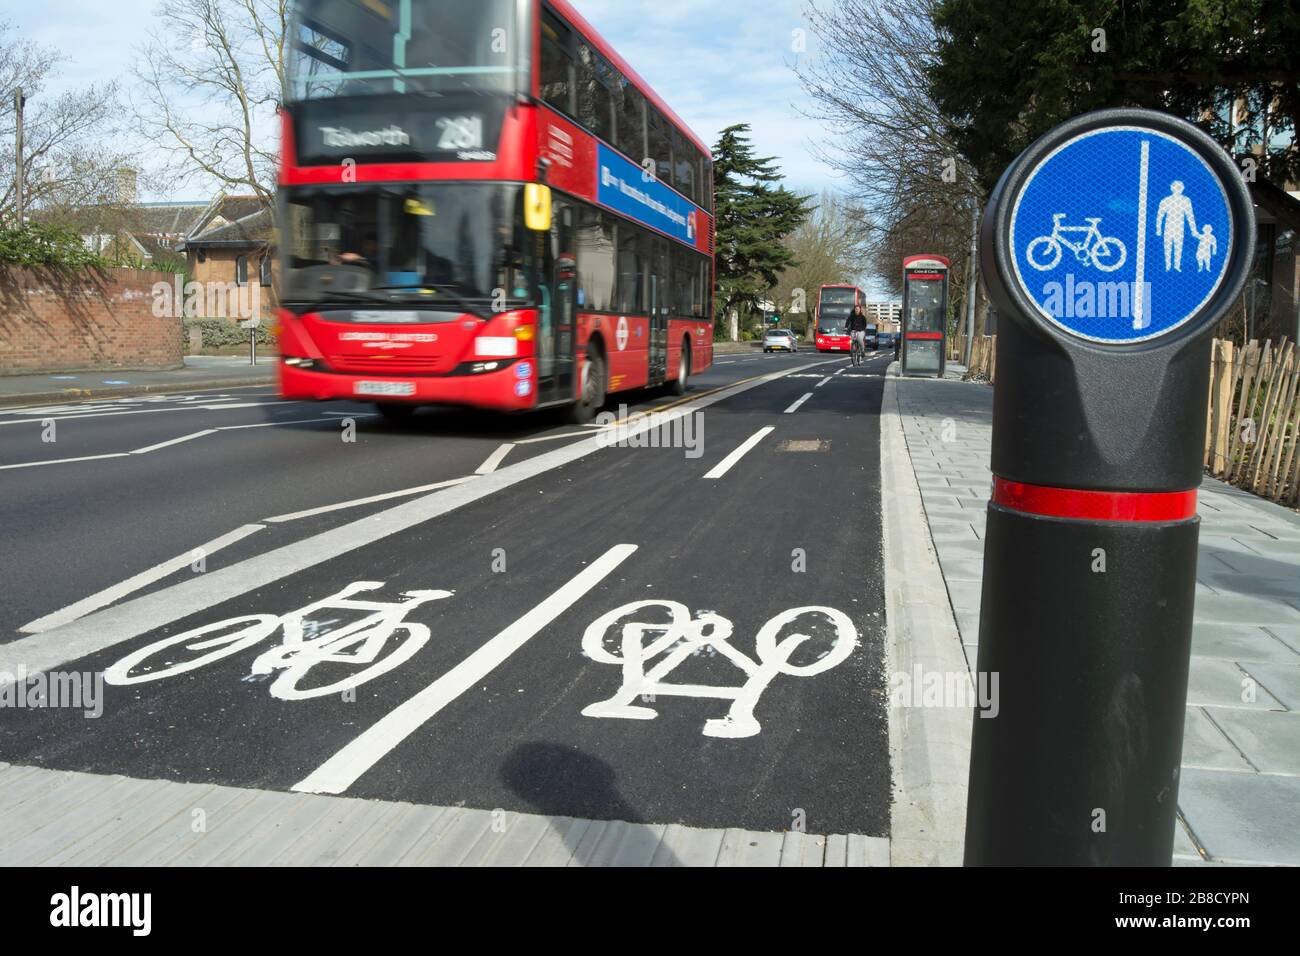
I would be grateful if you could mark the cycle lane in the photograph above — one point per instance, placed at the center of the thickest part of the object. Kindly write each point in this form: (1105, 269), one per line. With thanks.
(518, 738)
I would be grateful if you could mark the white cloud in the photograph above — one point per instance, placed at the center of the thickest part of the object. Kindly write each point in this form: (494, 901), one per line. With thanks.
(714, 64)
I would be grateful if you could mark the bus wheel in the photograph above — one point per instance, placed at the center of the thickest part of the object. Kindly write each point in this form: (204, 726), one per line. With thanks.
(593, 389)
(678, 387)
(395, 412)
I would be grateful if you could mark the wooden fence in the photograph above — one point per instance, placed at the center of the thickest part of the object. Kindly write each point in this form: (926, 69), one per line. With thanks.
(1252, 428)
(1254, 418)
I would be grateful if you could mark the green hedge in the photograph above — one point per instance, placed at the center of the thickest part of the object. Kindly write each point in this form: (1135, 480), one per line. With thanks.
(50, 246)
(226, 333)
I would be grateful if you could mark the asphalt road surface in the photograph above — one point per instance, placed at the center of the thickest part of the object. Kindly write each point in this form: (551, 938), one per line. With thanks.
(468, 609)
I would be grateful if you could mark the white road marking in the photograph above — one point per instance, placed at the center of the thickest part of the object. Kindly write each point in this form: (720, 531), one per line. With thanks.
(684, 638)
(301, 421)
(175, 441)
(495, 459)
(114, 594)
(141, 615)
(727, 463)
(828, 378)
(795, 407)
(342, 770)
(344, 505)
(36, 418)
(182, 439)
(534, 441)
(64, 461)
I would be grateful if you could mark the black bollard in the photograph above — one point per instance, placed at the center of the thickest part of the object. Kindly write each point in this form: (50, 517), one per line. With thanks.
(1110, 249)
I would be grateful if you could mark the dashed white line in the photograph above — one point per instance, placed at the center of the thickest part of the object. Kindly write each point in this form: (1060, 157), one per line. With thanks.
(795, 407)
(729, 462)
(175, 441)
(342, 770)
(495, 459)
(374, 499)
(36, 418)
(108, 596)
(64, 461)
(828, 378)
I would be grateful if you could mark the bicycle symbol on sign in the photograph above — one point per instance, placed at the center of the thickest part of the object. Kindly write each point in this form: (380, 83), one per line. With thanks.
(683, 637)
(306, 644)
(1105, 252)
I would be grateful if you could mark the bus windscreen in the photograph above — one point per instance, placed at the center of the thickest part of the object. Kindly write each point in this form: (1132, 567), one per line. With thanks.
(349, 48)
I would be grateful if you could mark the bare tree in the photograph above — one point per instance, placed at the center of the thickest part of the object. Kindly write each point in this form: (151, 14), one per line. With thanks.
(69, 152)
(829, 248)
(210, 78)
(869, 84)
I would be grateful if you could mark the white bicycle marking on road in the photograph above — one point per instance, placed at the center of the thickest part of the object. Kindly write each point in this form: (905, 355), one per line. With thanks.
(306, 644)
(683, 637)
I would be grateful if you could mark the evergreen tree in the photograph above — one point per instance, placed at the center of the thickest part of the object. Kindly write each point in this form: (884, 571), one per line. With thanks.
(754, 215)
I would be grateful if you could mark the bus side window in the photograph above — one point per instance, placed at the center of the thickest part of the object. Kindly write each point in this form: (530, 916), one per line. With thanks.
(595, 98)
(559, 70)
(660, 144)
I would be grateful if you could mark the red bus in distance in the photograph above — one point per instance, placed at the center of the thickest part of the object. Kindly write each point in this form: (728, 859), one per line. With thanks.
(482, 204)
(834, 305)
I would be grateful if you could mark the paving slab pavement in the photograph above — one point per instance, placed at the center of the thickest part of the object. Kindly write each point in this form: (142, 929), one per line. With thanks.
(1239, 800)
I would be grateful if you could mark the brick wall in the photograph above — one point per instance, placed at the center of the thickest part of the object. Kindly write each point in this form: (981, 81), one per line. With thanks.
(102, 319)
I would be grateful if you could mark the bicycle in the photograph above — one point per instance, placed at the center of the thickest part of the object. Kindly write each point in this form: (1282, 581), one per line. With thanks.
(858, 350)
(304, 645)
(1107, 253)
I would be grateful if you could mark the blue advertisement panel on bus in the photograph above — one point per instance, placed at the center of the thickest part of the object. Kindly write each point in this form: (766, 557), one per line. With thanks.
(625, 188)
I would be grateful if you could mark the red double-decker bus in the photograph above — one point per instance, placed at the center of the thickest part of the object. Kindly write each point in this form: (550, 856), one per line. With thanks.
(482, 204)
(834, 305)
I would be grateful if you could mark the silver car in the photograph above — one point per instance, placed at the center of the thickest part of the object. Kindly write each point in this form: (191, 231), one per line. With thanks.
(780, 340)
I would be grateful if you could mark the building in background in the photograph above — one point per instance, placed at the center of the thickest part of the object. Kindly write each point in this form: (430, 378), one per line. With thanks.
(885, 316)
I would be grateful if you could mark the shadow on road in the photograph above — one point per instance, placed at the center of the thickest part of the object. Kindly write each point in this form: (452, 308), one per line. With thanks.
(560, 781)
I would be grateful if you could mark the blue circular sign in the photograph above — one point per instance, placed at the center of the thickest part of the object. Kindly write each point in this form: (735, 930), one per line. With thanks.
(1121, 235)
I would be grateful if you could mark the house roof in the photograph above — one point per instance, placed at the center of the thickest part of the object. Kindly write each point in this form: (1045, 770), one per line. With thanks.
(255, 229)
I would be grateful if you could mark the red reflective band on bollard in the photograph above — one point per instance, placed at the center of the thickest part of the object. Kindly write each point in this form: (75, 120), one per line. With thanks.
(1094, 505)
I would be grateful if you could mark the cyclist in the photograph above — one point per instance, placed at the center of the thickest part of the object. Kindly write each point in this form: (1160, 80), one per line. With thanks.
(858, 329)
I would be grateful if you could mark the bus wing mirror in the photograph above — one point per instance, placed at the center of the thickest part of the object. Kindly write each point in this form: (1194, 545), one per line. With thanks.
(537, 207)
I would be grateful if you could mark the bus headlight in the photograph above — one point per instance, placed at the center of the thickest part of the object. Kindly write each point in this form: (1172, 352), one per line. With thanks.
(489, 346)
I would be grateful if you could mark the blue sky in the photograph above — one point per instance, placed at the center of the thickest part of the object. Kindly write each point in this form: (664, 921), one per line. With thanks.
(714, 63)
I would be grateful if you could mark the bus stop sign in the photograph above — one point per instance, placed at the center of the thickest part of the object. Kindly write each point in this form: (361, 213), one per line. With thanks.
(1121, 234)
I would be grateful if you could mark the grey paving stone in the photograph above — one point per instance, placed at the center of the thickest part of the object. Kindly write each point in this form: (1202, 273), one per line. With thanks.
(1183, 845)
(1282, 681)
(1233, 642)
(1221, 684)
(1205, 746)
(1280, 590)
(1270, 740)
(963, 569)
(1244, 609)
(1290, 636)
(1243, 817)
(965, 595)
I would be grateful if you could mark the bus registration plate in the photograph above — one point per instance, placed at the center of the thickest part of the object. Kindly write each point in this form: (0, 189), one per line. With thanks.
(403, 389)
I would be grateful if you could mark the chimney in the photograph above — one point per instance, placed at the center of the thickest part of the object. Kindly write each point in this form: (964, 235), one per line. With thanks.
(127, 186)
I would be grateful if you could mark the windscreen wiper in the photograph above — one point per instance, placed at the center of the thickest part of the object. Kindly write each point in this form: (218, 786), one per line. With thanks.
(445, 292)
